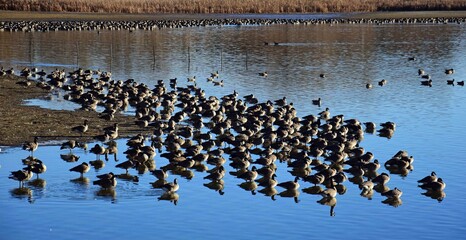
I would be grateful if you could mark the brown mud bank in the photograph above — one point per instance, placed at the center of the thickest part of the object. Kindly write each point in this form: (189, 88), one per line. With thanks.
(20, 123)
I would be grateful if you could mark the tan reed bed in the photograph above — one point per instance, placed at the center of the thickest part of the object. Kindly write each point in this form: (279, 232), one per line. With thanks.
(230, 6)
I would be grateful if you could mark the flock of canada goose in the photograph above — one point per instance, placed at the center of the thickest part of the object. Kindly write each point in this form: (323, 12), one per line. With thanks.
(71, 25)
(195, 132)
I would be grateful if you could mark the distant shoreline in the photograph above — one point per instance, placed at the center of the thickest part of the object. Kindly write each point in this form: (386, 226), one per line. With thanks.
(70, 16)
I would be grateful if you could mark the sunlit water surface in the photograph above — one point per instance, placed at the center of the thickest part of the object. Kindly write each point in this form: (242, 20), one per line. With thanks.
(430, 126)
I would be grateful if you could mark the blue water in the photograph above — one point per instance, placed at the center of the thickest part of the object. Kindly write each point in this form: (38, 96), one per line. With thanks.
(429, 126)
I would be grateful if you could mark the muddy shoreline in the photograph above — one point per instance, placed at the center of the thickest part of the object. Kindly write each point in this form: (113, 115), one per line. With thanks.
(20, 123)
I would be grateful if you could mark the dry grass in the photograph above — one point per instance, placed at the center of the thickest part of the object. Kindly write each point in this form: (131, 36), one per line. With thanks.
(229, 6)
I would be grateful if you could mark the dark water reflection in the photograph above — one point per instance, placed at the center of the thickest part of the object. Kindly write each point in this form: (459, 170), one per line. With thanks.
(428, 121)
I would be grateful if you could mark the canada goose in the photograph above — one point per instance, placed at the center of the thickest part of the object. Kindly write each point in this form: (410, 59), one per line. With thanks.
(160, 174)
(106, 182)
(329, 192)
(372, 166)
(126, 165)
(69, 157)
(249, 176)
(382, 82)
(315, 179)
(427, 83)
(339, 178)
(81, 129)
(381, 179)
(263, 74)
(216, 175)
(38, 167)
(451, 82)
(370, 127)
(325, 115)
(290, 185)
(431, 178)
(449, 71)
(21, 175)
(394, 193)
(81, 168)
(317, 102)
(367, 185)
(31, 146)
(192, 79)
(171, 187)
(214, 74)
(71, 144)
(98, 150)
(269, 182)
(439, 185)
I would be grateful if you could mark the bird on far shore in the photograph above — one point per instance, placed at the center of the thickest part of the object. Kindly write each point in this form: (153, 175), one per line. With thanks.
(31, 146)
(81, 129)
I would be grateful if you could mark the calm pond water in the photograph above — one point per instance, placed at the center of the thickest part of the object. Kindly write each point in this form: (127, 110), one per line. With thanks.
(429, 126)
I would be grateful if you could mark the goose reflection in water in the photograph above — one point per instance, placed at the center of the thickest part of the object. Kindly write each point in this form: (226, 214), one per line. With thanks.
(437, 195)
(218, 186)
(329, 201)
(170, 196)
(81, 181)
(291, 193)
(314, 190)
(394, 202)
(249, 186)
(107, 193)
(269, 192)
(38, 183)
(22, 192)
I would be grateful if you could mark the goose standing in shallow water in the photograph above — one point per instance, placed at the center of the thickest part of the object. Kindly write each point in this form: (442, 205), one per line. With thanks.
(21, 175)
(106, 181)
(38, 168)
(81, 168)
(31, 146)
